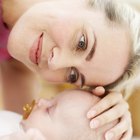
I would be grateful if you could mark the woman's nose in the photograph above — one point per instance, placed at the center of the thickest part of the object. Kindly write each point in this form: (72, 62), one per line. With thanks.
(61, 59)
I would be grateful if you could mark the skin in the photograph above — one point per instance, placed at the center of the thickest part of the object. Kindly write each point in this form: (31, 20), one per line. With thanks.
(67, 110)
(117, 103)
(58, 43)
(13, 73)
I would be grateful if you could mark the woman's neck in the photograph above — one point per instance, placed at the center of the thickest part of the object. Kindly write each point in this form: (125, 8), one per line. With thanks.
(14, 8)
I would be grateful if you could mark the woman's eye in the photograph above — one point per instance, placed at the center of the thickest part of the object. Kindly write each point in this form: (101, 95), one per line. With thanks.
(82, 43)
(73, 76)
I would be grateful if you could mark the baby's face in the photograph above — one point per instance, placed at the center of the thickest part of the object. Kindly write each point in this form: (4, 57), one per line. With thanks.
(59, 117)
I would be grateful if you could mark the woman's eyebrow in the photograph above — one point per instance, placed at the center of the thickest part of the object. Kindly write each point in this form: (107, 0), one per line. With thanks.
(91, 53)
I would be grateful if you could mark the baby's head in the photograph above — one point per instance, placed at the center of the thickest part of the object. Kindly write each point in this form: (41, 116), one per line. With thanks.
(64, 117)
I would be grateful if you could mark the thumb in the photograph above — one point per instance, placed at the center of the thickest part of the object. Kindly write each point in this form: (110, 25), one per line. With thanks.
(98, 91)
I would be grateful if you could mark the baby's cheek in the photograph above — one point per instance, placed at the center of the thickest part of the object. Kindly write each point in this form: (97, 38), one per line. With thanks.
(29, 123)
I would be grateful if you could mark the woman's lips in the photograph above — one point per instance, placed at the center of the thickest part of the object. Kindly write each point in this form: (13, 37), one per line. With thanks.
(36, 49)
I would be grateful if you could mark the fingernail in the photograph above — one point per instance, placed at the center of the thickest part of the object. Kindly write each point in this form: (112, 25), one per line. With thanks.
(91, 114)
(109, 136)
(94, 124)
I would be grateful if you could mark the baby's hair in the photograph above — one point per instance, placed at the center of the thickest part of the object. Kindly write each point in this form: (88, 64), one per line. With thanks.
(122, 14)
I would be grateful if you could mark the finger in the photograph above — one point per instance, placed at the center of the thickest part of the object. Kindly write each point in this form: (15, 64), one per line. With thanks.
(122, 127)
(109, 116)
(98, 91)
(128, 134)
(104, 104)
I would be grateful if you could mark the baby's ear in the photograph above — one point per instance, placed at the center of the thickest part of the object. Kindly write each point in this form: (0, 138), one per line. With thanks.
(35, 134)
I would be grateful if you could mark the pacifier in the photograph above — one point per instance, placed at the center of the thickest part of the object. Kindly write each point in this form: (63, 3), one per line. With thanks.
(28, 109)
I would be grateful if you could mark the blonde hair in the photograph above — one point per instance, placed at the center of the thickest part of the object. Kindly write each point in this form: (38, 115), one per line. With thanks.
(123, 14)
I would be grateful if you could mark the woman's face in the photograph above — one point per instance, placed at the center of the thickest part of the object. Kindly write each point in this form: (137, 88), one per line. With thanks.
(58, 117)
(66, 41)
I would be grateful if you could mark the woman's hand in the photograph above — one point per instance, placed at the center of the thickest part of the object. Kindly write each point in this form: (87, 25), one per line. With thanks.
(108, 109)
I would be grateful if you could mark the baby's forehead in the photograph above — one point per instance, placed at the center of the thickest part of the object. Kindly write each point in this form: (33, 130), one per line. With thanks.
(76, 93)
(80, 96)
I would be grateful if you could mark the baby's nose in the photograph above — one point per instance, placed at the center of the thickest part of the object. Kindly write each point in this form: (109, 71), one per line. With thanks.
(44, 102)
(41, 102)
